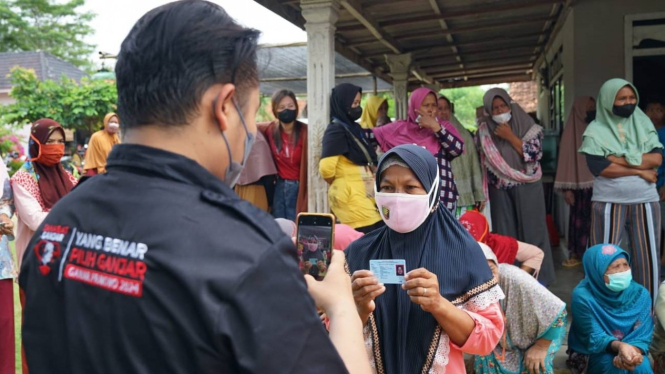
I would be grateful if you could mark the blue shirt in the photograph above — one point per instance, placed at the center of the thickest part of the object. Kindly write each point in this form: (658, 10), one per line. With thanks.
(661, 169)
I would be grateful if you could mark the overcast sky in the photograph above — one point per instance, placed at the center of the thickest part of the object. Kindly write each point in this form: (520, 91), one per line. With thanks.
(115, 19)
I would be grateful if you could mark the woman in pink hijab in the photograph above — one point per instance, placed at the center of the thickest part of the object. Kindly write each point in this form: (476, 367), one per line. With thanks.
(424, 128)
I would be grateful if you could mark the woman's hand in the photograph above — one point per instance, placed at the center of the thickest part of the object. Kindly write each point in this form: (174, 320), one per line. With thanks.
(569, 196)
(620, 364)
(428, 121)
(504, 131)
(366, 288)
(650, 176)
(617, 160)
(423, 289)
(8, 227)
(480, 206)
(629, 357)
(534, 358)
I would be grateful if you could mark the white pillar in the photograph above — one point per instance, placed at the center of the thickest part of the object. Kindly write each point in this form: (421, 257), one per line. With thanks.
(321, 16)
(399, 71)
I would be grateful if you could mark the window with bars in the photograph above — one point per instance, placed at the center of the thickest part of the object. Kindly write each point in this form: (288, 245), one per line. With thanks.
(556, 98)
(556, 105)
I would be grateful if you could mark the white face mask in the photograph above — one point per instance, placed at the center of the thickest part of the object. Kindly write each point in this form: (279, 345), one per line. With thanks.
(113, 127)
(403, 212)
(502, 118)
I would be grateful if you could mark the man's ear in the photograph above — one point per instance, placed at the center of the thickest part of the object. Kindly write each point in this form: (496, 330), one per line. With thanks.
(223, 105)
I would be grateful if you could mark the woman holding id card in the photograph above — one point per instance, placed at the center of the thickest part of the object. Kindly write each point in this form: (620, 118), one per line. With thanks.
(446, 304)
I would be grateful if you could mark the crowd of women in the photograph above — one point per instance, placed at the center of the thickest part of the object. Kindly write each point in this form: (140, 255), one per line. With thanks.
(436, 182)
(428, 200)
(499, 167)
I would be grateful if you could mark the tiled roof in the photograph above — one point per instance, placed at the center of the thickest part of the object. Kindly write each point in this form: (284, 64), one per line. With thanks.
(45, 65)
(525, 94)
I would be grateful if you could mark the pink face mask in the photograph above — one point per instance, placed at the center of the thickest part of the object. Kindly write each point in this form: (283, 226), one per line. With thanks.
(405, 212)
(312, 247)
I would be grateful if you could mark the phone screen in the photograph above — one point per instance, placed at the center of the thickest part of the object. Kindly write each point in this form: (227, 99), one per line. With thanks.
(315, 243)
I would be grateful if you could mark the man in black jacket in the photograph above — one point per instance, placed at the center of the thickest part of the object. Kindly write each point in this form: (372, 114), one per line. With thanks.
(157, 266)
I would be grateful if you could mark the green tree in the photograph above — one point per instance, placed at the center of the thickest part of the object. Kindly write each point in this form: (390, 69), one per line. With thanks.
(53, 26)
(74, 105)
(265, 110)
(465, 101)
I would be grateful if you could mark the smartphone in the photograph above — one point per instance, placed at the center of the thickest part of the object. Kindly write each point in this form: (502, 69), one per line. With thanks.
(314, 240)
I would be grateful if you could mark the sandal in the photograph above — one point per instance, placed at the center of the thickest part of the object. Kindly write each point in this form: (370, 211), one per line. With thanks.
(571, 262)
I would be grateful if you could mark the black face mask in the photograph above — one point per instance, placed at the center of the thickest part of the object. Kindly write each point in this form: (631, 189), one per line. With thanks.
(287, 115)
(355, 113)
(590, 116)
(624, 111)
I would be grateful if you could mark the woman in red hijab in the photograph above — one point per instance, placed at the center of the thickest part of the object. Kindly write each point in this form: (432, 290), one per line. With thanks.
(41, 182)
(507, 249)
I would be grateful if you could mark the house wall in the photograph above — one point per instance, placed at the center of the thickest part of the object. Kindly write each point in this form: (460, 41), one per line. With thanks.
(5, 99)
(592, 37)
(599, 40)
(593, 45)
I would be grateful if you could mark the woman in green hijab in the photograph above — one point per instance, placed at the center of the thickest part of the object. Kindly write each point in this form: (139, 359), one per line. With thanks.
(623, 153)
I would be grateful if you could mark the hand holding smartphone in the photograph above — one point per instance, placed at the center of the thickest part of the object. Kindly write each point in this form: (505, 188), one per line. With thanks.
(314, 240)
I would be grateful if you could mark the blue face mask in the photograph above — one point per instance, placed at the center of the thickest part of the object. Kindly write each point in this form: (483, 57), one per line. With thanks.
(619, 281)
(234, 169)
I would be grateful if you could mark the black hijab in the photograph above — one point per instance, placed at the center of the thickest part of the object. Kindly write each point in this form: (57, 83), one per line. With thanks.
(339, 136)
(442, 246)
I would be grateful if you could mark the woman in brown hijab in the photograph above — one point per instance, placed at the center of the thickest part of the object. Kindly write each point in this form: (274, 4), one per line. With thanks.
(574, 179)
(100, 145)
(41, 182)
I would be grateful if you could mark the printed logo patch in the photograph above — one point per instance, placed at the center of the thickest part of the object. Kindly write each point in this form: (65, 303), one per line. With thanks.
(47, 252)
(386, 212)
(106, 281)
(113, 264)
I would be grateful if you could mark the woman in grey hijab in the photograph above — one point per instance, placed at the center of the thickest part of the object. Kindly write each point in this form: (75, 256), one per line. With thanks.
(511, 149)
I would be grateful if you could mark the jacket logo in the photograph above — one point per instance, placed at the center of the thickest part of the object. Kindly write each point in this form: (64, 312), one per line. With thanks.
(47, 253)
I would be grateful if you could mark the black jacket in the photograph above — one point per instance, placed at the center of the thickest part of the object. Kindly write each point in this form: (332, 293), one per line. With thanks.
(158, 267)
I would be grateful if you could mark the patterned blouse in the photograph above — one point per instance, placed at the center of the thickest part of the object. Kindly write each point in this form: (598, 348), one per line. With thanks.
(451, 147)
(30, 207)
(28, 180)
(532, 150)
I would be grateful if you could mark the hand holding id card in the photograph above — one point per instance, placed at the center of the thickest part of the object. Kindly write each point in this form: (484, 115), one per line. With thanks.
(388, 271)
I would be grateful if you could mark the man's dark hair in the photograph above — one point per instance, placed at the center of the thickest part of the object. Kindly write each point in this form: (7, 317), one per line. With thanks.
(173, 54)
(654, 100)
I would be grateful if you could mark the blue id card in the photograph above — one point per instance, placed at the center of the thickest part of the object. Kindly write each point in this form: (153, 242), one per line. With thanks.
(388, 271)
